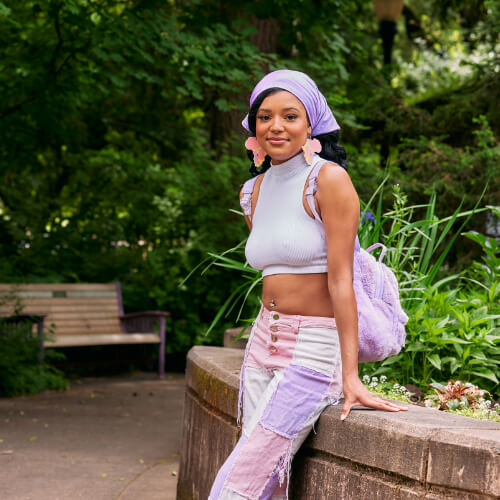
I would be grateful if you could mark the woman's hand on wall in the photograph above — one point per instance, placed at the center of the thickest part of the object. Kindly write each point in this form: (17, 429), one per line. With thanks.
(355, 393)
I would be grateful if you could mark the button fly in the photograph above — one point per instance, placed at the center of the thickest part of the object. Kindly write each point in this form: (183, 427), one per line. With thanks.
(274, 328)
(273, 349)
(274, 338)
(276, 316)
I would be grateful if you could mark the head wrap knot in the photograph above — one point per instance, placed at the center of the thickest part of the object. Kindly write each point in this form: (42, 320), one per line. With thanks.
(303, 87)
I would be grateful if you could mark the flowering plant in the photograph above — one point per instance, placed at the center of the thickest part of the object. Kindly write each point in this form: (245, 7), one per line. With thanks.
(383, 387)
(463, 398)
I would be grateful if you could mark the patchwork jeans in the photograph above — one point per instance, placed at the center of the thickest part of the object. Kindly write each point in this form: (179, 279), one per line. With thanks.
(291, 372)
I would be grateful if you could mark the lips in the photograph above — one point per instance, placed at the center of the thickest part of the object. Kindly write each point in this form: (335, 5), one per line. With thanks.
(276, 141)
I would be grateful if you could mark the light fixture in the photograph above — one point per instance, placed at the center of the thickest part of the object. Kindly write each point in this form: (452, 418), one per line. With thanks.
(388, 12)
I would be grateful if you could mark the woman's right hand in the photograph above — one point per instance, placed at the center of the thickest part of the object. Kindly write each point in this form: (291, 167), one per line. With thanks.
(355, 393)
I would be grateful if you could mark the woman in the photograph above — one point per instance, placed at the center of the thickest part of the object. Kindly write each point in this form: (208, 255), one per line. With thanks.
(303, 215)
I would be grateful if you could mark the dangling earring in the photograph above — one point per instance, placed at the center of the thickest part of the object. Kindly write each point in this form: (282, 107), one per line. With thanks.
(259, 155)
(310, 147)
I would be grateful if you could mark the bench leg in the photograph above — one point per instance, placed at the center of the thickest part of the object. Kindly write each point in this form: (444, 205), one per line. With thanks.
(161, 353)
(40, 341)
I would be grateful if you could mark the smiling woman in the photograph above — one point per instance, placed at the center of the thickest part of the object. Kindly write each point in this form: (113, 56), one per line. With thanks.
(282, 125)
(303, 212)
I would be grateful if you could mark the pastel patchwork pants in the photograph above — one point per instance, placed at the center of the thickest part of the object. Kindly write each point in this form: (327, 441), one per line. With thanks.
(291, 372)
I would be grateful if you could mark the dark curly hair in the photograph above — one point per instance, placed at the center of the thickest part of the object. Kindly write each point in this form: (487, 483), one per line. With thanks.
(330, 147)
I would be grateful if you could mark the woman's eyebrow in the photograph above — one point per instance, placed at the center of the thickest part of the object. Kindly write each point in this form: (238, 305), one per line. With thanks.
(262, 110)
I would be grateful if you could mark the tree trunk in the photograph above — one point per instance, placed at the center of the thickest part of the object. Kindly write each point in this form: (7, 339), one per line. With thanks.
(226, 123)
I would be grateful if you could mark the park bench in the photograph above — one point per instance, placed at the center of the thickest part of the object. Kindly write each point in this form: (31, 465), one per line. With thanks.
(82, 315)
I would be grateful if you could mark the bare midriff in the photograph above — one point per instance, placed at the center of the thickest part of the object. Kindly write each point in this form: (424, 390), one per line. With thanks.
(304, 294)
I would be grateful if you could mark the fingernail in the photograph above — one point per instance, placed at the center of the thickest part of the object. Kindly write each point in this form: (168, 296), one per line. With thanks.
(342, 417)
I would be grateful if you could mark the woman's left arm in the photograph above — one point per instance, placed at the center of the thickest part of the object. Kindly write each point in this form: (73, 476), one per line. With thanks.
(339, 208)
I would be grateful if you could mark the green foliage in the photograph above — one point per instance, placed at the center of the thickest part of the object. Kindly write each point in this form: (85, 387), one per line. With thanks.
(118, 155)
(453, 328)
(20, 371)
(456, 173)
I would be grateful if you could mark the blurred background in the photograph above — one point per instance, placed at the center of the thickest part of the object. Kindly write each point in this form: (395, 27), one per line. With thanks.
(121, 146)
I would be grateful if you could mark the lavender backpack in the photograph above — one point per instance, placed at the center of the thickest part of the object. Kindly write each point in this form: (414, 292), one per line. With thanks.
(381, 319)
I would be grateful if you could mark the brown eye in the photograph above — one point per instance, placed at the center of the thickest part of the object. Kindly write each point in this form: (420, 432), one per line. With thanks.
(291, 117)
(263, 118)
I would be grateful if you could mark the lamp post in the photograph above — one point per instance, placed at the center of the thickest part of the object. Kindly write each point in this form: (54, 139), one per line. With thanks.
(388, 12)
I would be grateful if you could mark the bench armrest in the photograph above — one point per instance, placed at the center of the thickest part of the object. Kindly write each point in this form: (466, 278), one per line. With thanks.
(145, 313)
(144, 322)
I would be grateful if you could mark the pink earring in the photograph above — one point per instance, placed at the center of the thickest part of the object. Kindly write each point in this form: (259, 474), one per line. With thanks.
(259, 155)
(310, 147)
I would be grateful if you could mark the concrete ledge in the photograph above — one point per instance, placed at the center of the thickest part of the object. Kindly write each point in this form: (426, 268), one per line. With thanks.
(232, 334)
(421, 453)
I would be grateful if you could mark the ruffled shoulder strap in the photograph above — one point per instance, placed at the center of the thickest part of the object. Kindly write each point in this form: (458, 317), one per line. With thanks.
(312, 185)
(311, 189)
(246, 199)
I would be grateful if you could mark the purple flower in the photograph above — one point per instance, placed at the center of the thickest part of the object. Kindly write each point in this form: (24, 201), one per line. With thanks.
(366, 217)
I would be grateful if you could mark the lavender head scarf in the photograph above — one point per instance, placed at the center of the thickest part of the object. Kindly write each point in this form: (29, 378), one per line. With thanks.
(303, 88)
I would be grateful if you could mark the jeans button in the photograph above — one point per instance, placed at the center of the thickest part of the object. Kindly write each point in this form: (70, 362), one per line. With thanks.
(273, 349)
(274, 328)
(276, 316)
(274, 338)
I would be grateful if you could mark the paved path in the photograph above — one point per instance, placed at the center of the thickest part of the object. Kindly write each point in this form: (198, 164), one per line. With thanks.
(103, 439)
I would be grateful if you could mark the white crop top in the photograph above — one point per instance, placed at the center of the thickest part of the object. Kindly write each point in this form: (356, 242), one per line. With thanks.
(284, 238)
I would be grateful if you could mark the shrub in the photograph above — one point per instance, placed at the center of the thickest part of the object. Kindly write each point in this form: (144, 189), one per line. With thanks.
(20, 370)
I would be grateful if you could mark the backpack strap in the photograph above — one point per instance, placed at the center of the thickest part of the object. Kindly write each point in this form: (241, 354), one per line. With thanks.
(311, 189)
(377, 245)
(312, 186)
(246, 199)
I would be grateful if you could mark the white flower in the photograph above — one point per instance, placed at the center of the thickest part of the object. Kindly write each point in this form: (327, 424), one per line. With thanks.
(374, 379)
(383, 378)
(396, 386)
(366, 379)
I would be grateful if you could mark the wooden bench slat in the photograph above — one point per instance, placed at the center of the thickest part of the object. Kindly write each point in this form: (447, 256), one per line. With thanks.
(66, 302)
(58, 286)
(73, 315)
(62, 308)
(107, 339)
(84, 322)
(52, 294)
(77, 312)
(83, 329)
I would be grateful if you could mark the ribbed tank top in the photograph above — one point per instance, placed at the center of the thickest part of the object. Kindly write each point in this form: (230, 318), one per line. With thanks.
(285, 239)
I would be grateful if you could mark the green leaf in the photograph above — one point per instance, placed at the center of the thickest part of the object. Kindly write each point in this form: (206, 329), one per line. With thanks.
(453, 404)
(223, 104)
(455, 365)
(435, 360)
(484, 319)
(4, 10)
(438, 386)
(487, 374)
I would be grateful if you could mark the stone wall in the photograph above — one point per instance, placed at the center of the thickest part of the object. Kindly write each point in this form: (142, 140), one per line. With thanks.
(371, 455)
